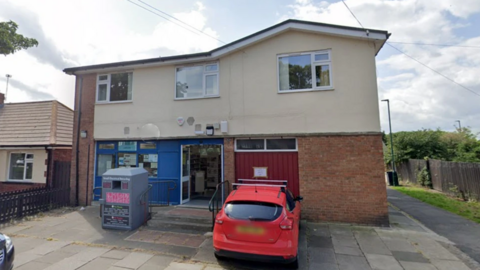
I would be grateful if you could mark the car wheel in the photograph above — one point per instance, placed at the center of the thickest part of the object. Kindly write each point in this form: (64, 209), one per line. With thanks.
(218, 257)
(294, 264)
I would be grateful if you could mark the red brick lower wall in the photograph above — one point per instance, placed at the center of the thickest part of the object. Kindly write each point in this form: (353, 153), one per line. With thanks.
(229, 160)
(86, 123)
(6, 187)
(342, 179)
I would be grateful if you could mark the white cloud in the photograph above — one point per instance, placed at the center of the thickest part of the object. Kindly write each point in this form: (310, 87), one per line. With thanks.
(87, 32)
(419, 97)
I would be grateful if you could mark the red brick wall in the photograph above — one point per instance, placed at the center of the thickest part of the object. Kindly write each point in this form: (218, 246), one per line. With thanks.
(62, 154)
(5, 187)
(86, 123)
(342, 179)
(229, 159)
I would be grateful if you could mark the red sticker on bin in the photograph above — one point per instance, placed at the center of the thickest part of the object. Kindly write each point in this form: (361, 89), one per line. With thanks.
(113, 197)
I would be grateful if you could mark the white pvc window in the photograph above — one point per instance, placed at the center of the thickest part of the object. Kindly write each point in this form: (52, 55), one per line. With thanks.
(266, 145)
(115, 87)
(197, 81)
(21, 166)
(305, 71)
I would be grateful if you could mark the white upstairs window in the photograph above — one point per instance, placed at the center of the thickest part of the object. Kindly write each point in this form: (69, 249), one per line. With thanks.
(115, 87)
(305, 71)
(197, 81)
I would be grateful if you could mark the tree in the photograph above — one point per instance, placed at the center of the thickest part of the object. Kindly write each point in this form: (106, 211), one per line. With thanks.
(416, 145)
(459, 146)
(10, 41)
(462, 145)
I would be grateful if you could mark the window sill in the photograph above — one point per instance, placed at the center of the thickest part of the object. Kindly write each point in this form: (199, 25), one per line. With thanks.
(197, 98)
(305, 90)
(113, 102)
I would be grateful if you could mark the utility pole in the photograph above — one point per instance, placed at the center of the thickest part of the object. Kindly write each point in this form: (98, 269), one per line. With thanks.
(391, 141)
(6, 91)
(459, 125)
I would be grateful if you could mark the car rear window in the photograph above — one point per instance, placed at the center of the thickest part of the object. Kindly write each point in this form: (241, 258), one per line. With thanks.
(249, 210)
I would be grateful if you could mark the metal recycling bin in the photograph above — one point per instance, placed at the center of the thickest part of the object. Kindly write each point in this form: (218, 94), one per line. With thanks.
(392, 178)
(121, 204)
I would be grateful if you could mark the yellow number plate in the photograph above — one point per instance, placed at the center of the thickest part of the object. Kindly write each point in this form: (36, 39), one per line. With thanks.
(250, 230)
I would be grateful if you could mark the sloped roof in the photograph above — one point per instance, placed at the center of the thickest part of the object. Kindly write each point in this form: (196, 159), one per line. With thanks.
(377, 36)
(36, 124)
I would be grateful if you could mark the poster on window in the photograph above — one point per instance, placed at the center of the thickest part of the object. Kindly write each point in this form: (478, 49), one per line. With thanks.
(147, 162)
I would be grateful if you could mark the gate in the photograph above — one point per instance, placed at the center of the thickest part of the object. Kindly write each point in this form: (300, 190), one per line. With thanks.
(61, 174)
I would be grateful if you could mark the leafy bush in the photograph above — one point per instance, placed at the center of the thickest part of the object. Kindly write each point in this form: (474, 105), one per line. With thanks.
(423, 178)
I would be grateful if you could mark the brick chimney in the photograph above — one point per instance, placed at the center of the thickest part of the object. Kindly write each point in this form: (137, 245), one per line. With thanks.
(2, 99)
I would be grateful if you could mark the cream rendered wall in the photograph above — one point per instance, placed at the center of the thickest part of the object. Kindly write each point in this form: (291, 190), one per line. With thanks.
(39, 167)
(249, 100)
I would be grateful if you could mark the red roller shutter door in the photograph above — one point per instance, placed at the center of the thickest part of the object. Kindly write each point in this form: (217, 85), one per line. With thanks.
(281, 166)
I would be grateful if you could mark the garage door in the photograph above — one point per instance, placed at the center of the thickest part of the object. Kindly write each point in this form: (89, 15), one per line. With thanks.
(282, 165)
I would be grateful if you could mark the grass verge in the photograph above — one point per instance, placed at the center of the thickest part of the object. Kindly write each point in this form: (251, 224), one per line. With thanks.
(469, 210)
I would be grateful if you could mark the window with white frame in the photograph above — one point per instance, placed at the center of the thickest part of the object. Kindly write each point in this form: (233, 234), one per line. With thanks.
(273, 144)
(21, 166)
(197, 81)
(114, 87)
(305, 71)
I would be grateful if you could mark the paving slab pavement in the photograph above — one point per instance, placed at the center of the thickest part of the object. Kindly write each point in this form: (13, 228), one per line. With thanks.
(406, 245)
(464, 233)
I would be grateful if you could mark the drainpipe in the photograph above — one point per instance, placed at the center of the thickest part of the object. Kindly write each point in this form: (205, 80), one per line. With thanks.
(49, 167)
(79, 117)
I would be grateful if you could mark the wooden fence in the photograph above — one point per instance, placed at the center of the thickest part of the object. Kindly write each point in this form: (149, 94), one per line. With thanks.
(446, 175)
(409, 170)
(23, 203)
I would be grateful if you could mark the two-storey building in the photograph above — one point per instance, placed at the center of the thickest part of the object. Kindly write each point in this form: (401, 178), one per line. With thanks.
(297, 101)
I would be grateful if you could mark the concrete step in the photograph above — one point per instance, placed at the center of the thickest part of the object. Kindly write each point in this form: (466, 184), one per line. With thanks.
(179, 226)
(184, 219)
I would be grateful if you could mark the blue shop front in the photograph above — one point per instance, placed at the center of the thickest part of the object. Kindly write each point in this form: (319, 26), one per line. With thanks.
(180, 171)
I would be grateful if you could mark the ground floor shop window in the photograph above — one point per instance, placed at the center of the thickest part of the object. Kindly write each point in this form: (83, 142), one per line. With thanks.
(149, 162)
(270, 144)
(127, 160)
(105, 163)
(21, 166)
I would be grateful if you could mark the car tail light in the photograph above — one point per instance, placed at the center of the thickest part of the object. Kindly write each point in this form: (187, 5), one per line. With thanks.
(218, 218)
(286, 224)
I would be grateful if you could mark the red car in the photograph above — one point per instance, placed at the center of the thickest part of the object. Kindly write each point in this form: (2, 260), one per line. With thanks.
(259, 222)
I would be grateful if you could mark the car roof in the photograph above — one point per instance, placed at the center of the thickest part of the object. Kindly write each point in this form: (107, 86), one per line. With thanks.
(259, 194)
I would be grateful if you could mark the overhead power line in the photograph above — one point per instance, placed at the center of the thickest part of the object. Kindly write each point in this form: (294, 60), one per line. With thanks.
(436, 71)
(414, 59)
(173, 17)
(183, 24)
(353, 14)
(162, 16)
(440, 45)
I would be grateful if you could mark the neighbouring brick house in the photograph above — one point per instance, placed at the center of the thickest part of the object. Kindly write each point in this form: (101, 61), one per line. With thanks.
(297, 101)
(33, 135)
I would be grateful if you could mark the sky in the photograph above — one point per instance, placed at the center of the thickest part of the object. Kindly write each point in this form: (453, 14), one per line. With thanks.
(428, 86)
